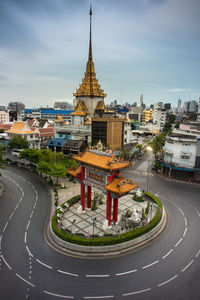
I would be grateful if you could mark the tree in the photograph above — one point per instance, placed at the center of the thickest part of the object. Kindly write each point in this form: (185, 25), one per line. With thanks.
(157, 144)
(44, 167)
(1, 155)
(58, 170)
(18, 142)
(33, 155)
(133, 127)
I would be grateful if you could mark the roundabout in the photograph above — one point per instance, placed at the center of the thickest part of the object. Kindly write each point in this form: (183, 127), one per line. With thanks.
(167, 267)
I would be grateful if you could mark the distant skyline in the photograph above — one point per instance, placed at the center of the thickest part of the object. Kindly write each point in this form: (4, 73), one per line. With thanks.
(149, 47)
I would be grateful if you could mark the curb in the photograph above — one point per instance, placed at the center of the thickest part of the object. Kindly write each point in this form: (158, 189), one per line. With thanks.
(99, 251)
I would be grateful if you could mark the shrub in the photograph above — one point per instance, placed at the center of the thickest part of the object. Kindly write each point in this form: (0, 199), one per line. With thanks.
(94, 203)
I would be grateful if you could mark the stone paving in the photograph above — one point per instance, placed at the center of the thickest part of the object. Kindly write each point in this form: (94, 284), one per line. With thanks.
(83, 223)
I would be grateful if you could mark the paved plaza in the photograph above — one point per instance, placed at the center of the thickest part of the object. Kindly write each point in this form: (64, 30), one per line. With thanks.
(90, 221)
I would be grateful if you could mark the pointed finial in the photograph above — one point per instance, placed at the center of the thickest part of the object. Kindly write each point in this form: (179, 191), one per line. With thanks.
(90, 42)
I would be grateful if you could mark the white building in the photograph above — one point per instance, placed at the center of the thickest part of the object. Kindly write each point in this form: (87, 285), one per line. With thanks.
(181, 152)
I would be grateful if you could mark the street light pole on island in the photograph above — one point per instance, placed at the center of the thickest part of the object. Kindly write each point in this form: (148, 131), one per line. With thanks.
(149, 149)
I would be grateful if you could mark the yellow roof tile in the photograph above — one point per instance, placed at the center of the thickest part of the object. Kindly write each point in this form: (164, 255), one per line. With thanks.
(101, 160)
(120, 186)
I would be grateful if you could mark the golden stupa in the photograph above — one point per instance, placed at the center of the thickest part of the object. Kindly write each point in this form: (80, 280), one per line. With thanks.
(90, 86)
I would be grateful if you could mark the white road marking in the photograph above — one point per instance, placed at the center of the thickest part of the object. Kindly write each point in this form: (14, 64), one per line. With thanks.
(137, 292)
(31, 214)
(181, 211)
(25, 237)
(29, 252)
(168, 253)
(98, 297)
(34, 205)
(16, 207)
(27, 227)
(0, 240)
(185, 232)
(5, 227)
(185, 221)
(147, 266)
(178, 242)
(95, 275)
(25, 280)
(165, 282)
(57, 295)
(187, 266)
(197, 253)
(11, 216)
(198, 213)
(124, 273)
(40, 262)
(6, 262)
(67, 273)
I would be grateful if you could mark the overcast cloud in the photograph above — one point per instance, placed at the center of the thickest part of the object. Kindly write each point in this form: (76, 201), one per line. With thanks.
(148, 47)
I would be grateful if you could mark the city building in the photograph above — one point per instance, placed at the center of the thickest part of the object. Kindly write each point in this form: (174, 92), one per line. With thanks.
(4, 116)
(182, 153)
(48, 114)
(160, 118)
(63, 105)
(147, 115)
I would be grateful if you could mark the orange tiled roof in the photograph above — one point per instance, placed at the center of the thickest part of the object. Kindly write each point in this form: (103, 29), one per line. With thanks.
(75, 172)
(18, 125)
(78, 113)
(120, 186)
(20, 131)
(101, 160)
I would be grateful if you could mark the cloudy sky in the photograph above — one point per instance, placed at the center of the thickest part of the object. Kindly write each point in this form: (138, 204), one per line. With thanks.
(149, 47)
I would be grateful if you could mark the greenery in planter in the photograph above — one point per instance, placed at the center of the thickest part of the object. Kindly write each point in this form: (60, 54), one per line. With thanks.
(108, 240)
(94, 203)
(147, 208)
(138, 198)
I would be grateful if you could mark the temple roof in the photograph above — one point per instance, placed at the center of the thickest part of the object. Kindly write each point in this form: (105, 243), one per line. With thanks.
(74, 172)
(102, 160)
(120, 186)
(90, 86)
(80, 109)
(101, 105)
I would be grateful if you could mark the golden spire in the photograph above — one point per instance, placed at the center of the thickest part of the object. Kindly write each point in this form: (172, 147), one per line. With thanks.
(90, 86)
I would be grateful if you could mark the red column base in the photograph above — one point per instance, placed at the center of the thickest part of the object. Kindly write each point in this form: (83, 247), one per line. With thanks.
(115, 210)
(108, 208)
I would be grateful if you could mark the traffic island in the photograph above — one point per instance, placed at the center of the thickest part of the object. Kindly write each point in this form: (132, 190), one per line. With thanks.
(107, 242)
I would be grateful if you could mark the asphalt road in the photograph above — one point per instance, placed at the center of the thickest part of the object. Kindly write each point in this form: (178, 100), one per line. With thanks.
(168, 268)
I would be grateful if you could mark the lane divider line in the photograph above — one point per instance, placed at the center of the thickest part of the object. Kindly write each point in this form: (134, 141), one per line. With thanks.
(147, 266)
(6, 262)
(106, 275)
(25, 237)
(137, 292)
(168, 253)
(25, 280)
(29, 252)
(57, 295)
(67, 273)
(165, 282)
(184, 269)
(197, 253)
(40, 262)
(5, 227)
(185, 232)
(98, 297)
(125, 273)
(178, 242)
(27, 227)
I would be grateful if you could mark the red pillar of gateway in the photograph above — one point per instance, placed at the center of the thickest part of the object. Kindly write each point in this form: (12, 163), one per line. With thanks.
(115, 210)
(108, 208)
(89, 192)
(82, 188)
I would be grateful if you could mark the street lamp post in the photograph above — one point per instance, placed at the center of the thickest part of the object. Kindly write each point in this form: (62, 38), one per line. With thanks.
(148, 148)
(73, 222)
(93, 224)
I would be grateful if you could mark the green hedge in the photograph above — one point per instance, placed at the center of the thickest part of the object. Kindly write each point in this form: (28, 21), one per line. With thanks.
(111, 240)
